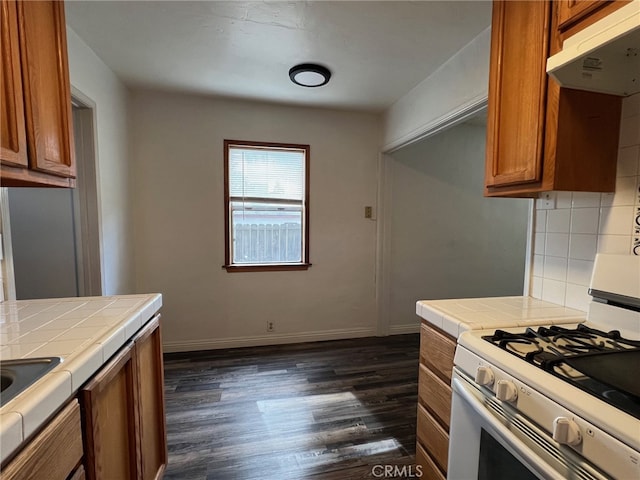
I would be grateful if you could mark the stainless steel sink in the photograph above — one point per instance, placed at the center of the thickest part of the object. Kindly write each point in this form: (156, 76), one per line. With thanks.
(17, 375)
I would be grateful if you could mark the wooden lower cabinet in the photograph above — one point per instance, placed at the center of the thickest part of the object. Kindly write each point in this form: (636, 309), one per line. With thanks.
(150, 383)
(111, 420)
(55, 453)
(433, 437)
(430, 470)
(436, 351)
(434, 401)
(78, 474)
(436, 394)
(123, 410)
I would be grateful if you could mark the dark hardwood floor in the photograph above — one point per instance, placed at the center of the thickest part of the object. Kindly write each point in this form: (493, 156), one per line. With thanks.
(324, 410)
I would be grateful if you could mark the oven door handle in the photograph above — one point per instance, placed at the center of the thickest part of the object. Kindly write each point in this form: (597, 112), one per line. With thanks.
(511, 441)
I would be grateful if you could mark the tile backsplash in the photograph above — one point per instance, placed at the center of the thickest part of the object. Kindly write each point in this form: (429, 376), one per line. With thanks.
(567, 237)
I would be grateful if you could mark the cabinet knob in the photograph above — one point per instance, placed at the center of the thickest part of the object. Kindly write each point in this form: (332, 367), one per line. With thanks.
(484, 376)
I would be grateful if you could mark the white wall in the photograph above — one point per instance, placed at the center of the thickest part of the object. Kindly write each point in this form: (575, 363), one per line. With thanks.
(447, 240)
(96, 81)
(178, 149)
(568, 237)
(458, 88)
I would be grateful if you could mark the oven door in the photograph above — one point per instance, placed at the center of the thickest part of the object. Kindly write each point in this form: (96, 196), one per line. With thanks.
(489, 440)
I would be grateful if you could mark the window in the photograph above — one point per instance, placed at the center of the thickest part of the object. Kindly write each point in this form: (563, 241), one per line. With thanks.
(266, 206)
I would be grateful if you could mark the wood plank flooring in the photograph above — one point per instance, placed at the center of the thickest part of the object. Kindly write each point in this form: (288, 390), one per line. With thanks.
(323, 410)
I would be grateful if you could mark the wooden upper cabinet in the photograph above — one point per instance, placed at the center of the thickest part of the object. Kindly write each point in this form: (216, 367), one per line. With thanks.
(13, 143)
(541, 137)
(517, 88)
(46, 86)
(570, 11)
(41, 105)
(574, 15)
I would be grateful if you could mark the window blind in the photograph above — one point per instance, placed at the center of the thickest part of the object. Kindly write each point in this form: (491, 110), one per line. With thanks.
(266, 174)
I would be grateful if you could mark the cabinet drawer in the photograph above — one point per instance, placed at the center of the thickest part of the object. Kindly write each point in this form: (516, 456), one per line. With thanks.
(436, 351)
(78, 474)
(434, 438)
(430, 470)
(435, 395)
(54, 453)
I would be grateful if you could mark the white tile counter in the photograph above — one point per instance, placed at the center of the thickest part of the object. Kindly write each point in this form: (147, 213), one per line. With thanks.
(457, 315)
(84, 331)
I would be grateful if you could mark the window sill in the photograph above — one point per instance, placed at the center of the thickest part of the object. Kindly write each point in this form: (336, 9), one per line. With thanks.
(277, 267)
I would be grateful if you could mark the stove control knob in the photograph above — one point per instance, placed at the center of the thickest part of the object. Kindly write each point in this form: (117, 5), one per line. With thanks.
(566, 431)
(484, 376)
(506, 391)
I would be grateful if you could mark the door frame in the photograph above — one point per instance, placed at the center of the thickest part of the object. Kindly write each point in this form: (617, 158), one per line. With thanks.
(86, 197)
(8, 276)
(384, 257)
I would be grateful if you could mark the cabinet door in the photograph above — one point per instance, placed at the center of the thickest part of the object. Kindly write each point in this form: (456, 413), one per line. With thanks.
(150, 377)
(570, 11)
(109, 402)
(517, 87)
(47, 94)
(13, 142)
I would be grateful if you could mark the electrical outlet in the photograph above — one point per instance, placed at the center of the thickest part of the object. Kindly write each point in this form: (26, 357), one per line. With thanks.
(546, 201)
(270, 327)
(368, 212)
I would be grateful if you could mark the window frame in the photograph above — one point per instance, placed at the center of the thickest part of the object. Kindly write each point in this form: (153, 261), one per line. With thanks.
(265, 267)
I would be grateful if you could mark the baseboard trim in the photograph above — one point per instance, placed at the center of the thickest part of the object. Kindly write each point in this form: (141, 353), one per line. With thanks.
(402, 329)
(270, 339)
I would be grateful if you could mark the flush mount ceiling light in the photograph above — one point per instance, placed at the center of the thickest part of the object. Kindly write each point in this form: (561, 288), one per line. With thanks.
(309, 75)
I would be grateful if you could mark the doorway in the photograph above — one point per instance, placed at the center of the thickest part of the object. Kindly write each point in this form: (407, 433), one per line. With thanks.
(441, 237)
(55, 232)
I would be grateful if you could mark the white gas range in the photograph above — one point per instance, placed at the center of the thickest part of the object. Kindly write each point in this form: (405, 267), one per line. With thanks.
(560, 401)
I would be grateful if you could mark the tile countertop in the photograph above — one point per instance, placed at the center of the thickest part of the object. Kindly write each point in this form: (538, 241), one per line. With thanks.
(457, 315)
(84, 331)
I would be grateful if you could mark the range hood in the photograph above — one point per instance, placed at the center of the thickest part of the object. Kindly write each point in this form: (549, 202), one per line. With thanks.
(604, 57)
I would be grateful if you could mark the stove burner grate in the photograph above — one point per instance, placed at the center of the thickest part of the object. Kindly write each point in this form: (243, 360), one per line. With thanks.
(554, 349)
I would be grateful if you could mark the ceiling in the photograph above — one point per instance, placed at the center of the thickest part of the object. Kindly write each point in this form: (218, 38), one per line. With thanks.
(377, 51)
